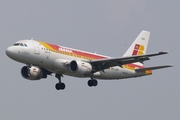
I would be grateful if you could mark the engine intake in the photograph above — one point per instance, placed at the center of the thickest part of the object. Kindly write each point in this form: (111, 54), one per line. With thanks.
(32, 73)
(80, 67)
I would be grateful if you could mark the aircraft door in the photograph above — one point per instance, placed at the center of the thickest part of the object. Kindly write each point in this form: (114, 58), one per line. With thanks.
(47, 54)
(36, 48)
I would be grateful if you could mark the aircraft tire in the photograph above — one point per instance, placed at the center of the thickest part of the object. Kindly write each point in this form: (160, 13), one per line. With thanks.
(92, 83)
(95, 82)
(60, 86)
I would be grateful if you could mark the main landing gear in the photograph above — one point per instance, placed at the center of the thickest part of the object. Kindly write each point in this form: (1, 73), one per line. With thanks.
(60, 85)
(92, 82)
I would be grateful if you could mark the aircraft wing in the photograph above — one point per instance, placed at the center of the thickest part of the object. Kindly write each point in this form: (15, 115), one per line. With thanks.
(100, 65)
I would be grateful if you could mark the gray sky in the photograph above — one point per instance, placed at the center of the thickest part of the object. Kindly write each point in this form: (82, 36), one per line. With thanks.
(104, 26)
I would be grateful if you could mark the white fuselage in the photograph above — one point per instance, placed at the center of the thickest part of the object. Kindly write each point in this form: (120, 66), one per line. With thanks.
(56, 60)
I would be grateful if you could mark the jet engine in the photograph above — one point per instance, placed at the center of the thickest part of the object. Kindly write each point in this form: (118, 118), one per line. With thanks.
(80, 67)
(32, 73)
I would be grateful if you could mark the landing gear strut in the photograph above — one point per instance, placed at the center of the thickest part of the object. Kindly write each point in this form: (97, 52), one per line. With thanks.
(60, 85)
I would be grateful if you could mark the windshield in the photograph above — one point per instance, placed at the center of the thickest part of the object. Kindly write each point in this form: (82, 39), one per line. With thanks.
(16, 44)
(21, 44)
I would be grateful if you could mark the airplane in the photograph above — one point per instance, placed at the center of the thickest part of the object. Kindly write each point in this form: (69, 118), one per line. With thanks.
(42, 59)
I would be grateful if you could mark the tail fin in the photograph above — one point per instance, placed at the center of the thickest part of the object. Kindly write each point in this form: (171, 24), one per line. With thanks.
(139, 46)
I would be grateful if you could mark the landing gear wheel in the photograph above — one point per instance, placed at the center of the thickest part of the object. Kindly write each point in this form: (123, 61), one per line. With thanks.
(92, 83)
(60, 86)
(57, 86)
(95, 82)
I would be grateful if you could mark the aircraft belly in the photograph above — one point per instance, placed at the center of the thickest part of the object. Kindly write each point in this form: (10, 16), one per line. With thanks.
(109, 74)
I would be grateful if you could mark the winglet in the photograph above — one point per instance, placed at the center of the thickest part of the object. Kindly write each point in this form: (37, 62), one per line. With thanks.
(170, 52)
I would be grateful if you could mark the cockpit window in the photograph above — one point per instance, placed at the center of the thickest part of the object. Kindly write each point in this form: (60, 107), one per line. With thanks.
(25, 45)
(16, 44)
(21, 44)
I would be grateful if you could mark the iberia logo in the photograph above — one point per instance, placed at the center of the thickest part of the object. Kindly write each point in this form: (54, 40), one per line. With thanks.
(138, 49)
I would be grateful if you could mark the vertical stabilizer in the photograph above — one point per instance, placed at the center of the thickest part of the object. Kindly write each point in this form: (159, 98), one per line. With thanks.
(139, 46)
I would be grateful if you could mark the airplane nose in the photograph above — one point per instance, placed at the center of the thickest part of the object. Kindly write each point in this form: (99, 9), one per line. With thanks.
(9, 51)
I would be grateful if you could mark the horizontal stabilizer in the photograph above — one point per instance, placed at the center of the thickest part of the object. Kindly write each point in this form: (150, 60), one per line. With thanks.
(152, 68)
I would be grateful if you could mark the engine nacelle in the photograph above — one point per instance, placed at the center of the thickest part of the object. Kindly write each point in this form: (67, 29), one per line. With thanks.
(32, 73)
(80, 67)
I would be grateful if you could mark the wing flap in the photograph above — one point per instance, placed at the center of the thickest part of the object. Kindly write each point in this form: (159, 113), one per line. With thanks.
(152, 68)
